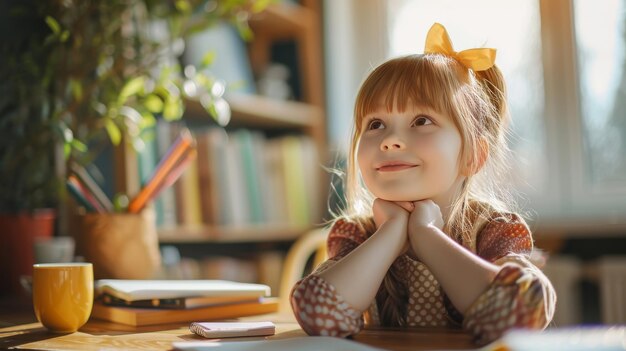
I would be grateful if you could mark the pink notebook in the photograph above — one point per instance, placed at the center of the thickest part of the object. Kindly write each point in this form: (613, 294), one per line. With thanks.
(214, 330)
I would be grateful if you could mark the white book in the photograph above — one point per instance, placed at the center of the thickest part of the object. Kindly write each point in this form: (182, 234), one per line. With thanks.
(133, 290)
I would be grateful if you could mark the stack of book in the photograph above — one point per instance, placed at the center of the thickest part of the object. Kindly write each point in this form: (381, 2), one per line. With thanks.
(149, 302)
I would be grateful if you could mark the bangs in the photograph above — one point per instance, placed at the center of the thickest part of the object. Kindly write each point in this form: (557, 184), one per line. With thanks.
(426, 80)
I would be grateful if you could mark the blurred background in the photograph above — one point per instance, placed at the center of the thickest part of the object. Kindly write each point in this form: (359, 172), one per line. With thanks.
(267, 89)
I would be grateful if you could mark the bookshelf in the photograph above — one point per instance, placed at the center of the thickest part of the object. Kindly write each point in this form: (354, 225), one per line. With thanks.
(301, 119)
(297, 23)
(258, 115)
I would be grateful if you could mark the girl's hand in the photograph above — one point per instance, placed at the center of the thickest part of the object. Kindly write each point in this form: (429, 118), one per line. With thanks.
(426, 213)
(385, 210)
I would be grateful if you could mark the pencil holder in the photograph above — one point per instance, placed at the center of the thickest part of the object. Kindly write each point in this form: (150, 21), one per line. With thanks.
(119, 245)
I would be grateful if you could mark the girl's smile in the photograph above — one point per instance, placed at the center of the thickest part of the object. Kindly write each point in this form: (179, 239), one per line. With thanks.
(394, 166)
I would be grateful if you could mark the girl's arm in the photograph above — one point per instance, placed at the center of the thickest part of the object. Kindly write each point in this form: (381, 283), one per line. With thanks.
(331, 300)
(496, 289)
(463, 275)
(357, 277)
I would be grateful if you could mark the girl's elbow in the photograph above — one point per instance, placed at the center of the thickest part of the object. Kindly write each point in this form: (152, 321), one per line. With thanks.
(317, 317)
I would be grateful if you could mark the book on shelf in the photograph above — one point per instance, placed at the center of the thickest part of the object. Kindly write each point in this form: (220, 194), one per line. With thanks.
(190, 186)
(165, 203)
(295, 181)
(208, 188)
(218, 144)
(250, 151)
(275, 193)
(151, 316)
(239, 210)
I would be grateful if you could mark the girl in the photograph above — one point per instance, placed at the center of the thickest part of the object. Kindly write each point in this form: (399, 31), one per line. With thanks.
(430, 242)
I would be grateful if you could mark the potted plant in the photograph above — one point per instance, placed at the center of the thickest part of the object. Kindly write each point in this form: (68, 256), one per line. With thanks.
(77, 75)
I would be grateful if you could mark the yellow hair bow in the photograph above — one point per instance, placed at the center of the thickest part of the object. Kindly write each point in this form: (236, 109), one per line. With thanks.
(438, 41)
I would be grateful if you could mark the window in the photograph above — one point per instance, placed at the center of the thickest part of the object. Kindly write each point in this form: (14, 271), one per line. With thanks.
(600, 38)
(564, 62)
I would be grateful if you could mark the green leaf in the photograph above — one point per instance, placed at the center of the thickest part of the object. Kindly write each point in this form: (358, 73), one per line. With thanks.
(244, 31)
(79, 145)
(153, 103)
(208, 59)
(260, 5)
(67, 149)
(132, 87)
(53, 24)
(173, 109)
(64, 36)
(114, 132)
(148, 120)
(183, 6)
(212, 111)
(77, 89)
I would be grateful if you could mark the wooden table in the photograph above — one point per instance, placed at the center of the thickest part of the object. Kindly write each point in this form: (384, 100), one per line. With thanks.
(19, 330)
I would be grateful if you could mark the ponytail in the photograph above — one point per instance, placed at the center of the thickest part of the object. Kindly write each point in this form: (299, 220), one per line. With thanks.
(492, 83)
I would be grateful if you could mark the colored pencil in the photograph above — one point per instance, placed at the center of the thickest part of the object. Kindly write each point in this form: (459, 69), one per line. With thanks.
(176, 172)
(75, 191)
(90, 184)
(147, 192)
(86, 194)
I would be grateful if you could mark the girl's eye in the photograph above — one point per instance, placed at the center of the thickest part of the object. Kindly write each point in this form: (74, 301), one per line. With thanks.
(375, 124)
(422, 121)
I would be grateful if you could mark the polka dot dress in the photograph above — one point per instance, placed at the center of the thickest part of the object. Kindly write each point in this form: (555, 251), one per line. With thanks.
(519, 296)
(425, 306)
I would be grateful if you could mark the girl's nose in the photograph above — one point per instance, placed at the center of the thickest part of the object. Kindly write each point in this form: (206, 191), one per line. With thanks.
(392, 142)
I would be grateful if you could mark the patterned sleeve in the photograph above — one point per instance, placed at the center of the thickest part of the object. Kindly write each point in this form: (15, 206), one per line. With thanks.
(520, 294)
(317, 306)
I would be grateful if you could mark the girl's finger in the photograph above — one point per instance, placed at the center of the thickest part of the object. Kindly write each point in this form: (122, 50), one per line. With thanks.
(409, 206)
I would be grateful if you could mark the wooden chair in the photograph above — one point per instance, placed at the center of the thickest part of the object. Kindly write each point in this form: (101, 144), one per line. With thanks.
(312, 243)
(612, 274)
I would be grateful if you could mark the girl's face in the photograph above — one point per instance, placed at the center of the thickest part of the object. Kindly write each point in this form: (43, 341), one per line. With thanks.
(411, 155)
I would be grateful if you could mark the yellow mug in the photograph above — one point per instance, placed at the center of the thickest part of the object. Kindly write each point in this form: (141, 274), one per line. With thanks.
(63, 295)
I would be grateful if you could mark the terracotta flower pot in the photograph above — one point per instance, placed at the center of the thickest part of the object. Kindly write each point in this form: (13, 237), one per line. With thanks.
(17, 235)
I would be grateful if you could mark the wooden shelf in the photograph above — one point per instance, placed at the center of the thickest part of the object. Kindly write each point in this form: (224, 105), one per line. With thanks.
(216, 234)
(282, 20)
(291, 22)
(253, 111)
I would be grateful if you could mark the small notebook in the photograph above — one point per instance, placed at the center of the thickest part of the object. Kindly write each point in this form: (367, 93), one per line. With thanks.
(213, 330)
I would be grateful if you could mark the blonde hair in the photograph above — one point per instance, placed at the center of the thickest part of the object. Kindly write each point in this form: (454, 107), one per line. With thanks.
(476, 103)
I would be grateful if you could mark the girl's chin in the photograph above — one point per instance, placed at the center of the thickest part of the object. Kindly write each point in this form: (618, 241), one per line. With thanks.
(399, 199)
